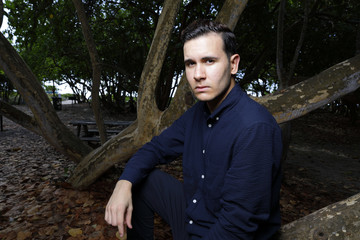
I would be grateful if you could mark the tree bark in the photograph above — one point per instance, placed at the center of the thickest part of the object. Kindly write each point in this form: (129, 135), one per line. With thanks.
(230, 12)
(96, 67)
(304, 97)
(340, 220)
(19, 117)
(147, 111)
(51, 127)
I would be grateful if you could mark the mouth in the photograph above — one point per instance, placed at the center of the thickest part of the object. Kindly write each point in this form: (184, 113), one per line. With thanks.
(201, 88)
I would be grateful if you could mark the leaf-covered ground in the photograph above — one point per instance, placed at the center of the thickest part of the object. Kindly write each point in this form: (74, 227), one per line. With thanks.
(37, 203)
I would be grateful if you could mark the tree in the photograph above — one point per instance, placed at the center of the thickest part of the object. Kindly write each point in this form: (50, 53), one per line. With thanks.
(95, 62)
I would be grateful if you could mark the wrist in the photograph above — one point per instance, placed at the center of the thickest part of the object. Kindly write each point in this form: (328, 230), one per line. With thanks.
(125, 184)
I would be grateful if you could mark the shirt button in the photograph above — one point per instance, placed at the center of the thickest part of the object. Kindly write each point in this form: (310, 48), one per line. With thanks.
(194, 201)
(202, 176)
(209, 125)
(217, 118)
(191, 222)
(203, 151)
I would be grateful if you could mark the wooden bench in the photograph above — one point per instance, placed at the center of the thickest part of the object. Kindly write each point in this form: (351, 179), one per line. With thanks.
(72, 98)
(94, 131)
(92, 134)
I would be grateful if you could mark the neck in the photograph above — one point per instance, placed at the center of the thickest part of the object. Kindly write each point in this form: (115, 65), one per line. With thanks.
(215, 103)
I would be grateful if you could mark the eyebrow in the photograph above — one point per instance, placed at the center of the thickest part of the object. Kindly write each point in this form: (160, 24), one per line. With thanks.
(209, 58)
(186, 61)
(203, 59)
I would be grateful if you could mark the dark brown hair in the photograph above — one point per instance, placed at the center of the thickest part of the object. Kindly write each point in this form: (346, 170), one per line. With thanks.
(203, 26)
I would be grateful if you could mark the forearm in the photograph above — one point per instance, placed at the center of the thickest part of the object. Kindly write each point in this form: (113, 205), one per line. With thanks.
(160, 150)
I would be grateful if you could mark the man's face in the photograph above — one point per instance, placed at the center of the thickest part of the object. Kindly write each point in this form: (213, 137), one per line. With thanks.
(208, 68)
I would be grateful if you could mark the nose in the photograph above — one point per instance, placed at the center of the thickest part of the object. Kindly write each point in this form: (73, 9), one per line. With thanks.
(199, 73)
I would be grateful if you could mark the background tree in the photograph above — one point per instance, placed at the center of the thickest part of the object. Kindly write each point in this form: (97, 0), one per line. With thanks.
(96, 69)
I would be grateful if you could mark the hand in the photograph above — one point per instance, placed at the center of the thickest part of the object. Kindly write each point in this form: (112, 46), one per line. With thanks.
(119, 208)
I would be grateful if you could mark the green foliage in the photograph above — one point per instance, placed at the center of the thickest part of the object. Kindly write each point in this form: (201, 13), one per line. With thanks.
(48, 36)
(330, 38)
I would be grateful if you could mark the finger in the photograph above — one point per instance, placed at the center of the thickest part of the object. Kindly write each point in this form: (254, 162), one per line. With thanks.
(107, 215)
(128, 217)
(121, 230)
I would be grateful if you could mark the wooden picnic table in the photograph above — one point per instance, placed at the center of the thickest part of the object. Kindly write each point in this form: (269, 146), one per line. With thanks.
(116, 127)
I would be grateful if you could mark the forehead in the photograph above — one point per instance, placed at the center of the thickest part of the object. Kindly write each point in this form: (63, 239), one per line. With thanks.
(208, 44)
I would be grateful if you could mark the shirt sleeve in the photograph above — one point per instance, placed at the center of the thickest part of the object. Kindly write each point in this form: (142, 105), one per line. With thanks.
(160, 150)
(249, 192)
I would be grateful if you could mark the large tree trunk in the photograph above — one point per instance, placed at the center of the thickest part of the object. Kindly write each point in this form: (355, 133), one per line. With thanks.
(151, 121)
(96, 67)
(51, 127)
(340, 220)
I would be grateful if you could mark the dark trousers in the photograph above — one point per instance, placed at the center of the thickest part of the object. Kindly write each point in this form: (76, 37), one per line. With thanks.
(163, 194)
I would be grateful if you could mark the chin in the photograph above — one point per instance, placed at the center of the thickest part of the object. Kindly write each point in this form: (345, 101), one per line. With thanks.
(203, 98)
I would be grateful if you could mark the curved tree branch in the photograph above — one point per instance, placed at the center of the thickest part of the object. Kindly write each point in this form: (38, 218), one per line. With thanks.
(230, 12)
(336, 221)
(147, 108)
(306, 96)
(19, 117)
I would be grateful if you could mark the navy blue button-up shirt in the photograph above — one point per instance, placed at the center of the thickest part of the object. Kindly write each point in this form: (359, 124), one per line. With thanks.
(231, 167)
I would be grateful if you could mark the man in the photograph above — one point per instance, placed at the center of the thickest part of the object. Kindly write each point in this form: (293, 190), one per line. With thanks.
(231, 149)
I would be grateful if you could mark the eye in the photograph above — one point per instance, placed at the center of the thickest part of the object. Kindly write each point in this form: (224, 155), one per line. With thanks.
(210, 61)
(189, 63)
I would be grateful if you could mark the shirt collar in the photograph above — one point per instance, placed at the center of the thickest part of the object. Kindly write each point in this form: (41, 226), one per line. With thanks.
(231, 99)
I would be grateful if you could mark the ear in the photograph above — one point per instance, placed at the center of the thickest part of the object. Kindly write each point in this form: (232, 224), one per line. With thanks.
(234, 63)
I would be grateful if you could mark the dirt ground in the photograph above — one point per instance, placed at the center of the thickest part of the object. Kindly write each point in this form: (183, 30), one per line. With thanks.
(36, 202)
